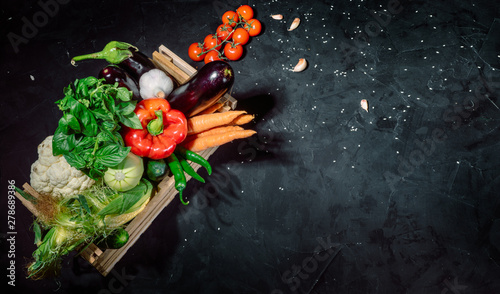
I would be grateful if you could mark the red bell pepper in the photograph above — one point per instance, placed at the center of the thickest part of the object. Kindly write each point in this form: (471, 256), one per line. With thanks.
(162, 129)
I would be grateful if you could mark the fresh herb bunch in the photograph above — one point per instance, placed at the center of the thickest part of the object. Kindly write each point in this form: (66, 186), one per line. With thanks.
(88, 132)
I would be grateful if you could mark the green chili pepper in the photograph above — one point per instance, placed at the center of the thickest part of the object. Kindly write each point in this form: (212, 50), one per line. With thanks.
(179, 177)
(194, 157)
(190, 170)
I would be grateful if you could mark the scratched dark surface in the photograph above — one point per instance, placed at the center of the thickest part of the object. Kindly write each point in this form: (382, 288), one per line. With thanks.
(328, 198)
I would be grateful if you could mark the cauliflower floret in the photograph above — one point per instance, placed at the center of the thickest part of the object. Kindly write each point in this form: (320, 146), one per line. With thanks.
(52, 175)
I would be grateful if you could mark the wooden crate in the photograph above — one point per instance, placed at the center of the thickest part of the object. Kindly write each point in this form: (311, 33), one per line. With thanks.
(104, 261)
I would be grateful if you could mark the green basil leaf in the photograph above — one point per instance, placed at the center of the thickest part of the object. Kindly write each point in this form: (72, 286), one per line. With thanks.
(105, 135)
(85, 143)
(123, 94)
(118, 137)
(125, 200)
(82, 89)
(130, 120)
(101, 113)
(90, 81)
(69, 121)
(68, 91)
(111, 136)
(110, 103)
(75, 160)
(95, 173)
(87, 119)
(61, 142)
(109, 125)
(126, 107)
(111, 155)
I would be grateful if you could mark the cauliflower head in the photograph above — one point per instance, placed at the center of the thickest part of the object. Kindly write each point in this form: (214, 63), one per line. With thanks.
(52, 175)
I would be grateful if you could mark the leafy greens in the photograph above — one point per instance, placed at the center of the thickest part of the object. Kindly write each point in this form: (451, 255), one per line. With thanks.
(88, 132)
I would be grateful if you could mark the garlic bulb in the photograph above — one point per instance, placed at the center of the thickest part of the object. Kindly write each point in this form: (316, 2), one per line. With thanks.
(155, 84)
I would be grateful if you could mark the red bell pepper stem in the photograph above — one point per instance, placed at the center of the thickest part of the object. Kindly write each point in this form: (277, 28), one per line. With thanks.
(155, 126)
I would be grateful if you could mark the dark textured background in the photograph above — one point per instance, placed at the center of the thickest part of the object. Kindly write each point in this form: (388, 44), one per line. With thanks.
(327, 198)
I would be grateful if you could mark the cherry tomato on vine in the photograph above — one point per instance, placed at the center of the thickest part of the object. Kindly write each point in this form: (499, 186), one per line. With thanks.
(241, 36)
(211, 41)
(195, 51)
(245, 11)
(211, 56)
(224, 32)
(233, 51)
(230, 17)
(253, 27)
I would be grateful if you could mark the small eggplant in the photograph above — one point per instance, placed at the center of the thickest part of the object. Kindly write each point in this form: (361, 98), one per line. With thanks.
(203, 89)
(113, 74)
(124, 55)
(137, 65)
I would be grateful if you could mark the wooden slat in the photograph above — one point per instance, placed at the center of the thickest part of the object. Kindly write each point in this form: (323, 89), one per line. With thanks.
(177, 61)
(165, 63)
(28, 189)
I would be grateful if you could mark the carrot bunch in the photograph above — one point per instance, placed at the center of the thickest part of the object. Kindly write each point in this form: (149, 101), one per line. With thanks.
(217, 128)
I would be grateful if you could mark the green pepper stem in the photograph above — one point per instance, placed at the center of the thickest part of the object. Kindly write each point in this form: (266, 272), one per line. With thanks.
(114, 52)
(155, 126)
(182, 199)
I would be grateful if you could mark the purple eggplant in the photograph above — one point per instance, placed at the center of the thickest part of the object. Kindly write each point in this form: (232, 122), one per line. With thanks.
(124, 55)
(137, 64)
(203, 89)
(113, 74)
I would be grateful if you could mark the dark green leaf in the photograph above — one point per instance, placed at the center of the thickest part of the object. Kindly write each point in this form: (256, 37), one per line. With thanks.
(87, 119)
(69, 121)
(101, 113)
(111, 155)
(130, 120)
(82, 89)
(126, 107)
(61, 142)
(95, 173)
(123, 94)
(84, 203)
(75, 160)
(90, 81)
(26, 196)
(118, 138)
(109, 125)
(68, 91)
(111, 136)
(126, 200)
(85, 143)
(38, 233)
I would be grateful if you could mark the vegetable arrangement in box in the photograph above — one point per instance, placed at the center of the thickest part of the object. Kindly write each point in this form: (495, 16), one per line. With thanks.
(119, 135)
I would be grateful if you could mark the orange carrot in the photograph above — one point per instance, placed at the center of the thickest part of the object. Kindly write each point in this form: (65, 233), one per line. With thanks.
(243, 119)
(212, 108)
(217, 130)
(200, 123)
(202, 143)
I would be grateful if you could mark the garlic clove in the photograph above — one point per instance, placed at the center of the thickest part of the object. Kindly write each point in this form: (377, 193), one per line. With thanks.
(277, 16)
(301, 65)
(364, 104)
(294, 24)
